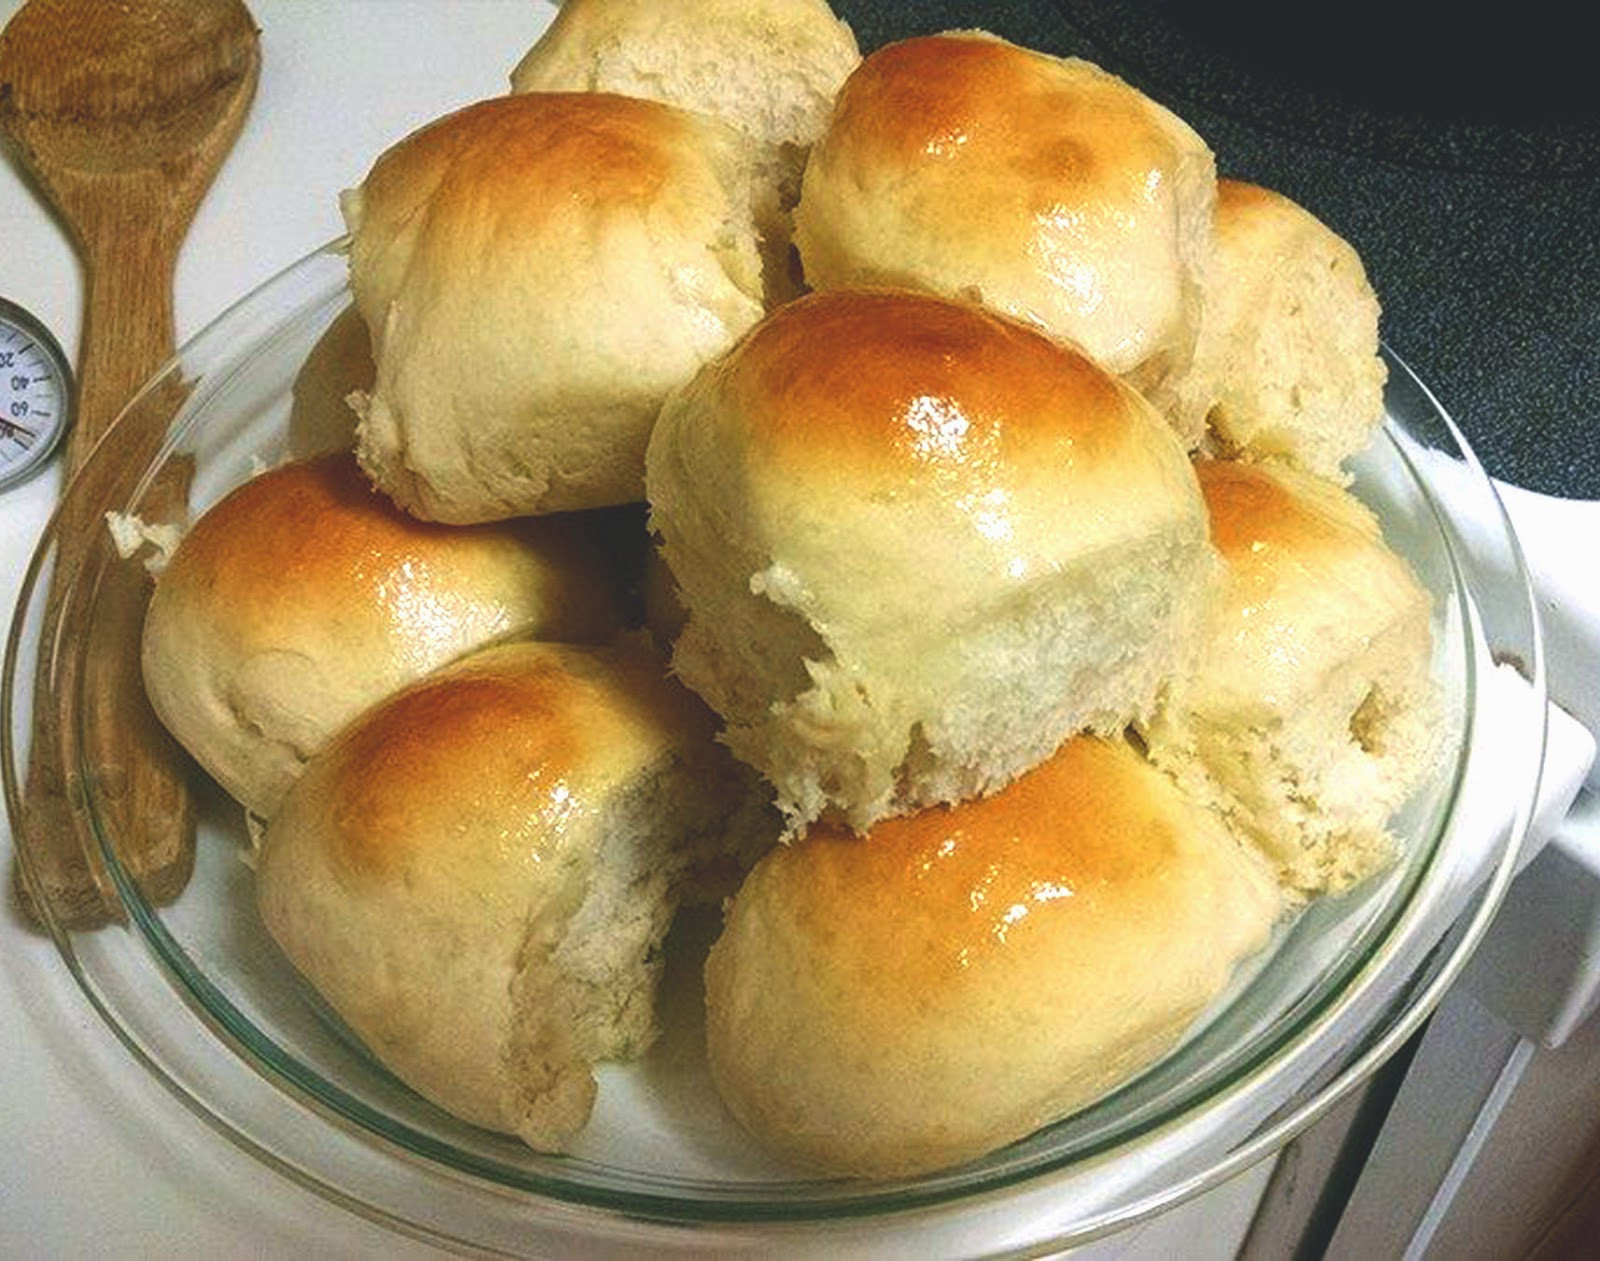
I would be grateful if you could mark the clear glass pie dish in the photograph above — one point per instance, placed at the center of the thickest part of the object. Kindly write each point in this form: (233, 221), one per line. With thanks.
(200, 995)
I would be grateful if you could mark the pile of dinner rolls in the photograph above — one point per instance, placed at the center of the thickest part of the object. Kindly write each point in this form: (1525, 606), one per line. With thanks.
(900, 499)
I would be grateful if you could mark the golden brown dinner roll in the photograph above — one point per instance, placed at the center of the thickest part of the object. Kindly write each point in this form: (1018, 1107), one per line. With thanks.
(477, 873)
(769, 68)
(304, 596)
(537, 272)
(1289, 342)
(919, 545)
(1313, 712)
(891, 1004)
(1041, 187)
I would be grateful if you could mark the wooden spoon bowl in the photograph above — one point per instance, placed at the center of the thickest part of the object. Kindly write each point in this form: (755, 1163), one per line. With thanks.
(123, 114)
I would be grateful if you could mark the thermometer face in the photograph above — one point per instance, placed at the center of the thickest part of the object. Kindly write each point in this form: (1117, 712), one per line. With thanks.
(35, 394)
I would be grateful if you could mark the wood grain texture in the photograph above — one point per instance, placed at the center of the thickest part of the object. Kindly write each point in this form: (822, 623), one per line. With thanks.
(123, 114)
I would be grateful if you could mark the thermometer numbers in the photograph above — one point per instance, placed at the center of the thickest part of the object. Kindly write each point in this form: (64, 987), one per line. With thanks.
(28, 392)
(33, 399)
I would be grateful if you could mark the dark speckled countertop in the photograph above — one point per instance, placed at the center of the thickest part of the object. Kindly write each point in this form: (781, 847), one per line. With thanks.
(1462, 162)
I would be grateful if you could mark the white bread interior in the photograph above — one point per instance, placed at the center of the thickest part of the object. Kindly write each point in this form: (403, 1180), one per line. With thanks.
(1313, 712)
(1289, 341)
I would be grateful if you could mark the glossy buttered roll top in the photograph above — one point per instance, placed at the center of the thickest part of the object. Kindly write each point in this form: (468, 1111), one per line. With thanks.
(1309, 582)
(919, 545)
(894, 1003)
(530, 740)
(884, 393)
(305, 595)
(1044, 188)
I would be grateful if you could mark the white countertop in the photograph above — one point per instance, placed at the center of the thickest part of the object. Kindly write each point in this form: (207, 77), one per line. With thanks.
(95, 1157)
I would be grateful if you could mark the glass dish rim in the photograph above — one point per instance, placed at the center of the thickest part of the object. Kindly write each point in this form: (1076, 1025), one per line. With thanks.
(884, 1200)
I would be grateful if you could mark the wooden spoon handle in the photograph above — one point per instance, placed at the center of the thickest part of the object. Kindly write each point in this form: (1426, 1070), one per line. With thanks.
(111, 746)
(129, 261)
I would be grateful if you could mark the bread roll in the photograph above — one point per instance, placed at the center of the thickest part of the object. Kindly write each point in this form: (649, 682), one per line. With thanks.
(889, 1005)
(1313, 713)
(769, 68)
(1289, 343)
(477, 874)
(919, 546)
(536, 273)
(1041, 187)
(304, 596)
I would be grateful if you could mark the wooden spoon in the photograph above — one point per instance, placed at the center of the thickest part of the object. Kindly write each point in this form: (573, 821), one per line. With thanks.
(122, 113)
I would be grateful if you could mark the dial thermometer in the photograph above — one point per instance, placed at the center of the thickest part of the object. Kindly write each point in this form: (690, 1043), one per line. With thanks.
(36, 397)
